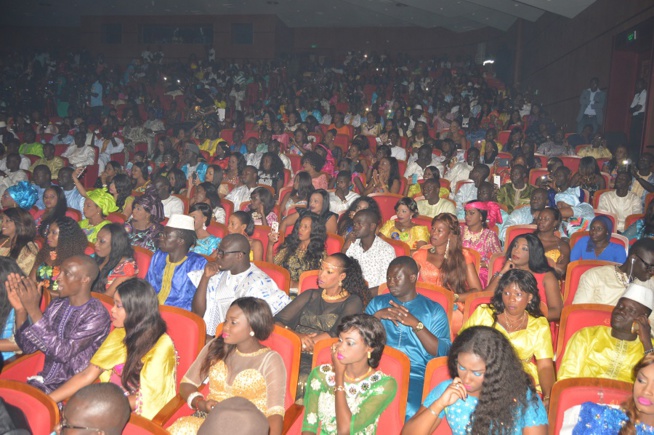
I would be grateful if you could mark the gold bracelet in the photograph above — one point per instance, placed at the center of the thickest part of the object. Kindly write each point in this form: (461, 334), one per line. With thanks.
(339, 388)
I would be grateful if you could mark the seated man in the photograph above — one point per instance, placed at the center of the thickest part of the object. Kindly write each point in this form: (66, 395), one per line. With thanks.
(102, 407)
(74, 198)
(425, 158)
(49, 159)
(13, 175)
(11, 147)
(526, 215)
(191, 163)
(230, 277)
(371, 251)
(79, 153)
(576, 214)
(70, 330)
(518, 191)
(343, 196)
(414, 324)
(41, 180)
(107, 145)
(621, 202)
(612, 352)
(171, 204)
(249, 181)
(433, 205)
(31, 146)
(468, 191)
(461, 170)
(171, 264)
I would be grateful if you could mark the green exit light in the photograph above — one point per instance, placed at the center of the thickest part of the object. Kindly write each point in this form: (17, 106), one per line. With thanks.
(632, 36)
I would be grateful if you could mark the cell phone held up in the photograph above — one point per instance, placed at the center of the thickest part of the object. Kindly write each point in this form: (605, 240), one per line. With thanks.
(275, 227)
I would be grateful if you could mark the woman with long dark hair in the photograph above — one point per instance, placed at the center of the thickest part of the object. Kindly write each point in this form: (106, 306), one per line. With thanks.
(515, 311)
(261, 207)
(177, 179)
(237, 364)
(271, 171)
(526, 252)
(303, 250)
(318, 205)
(299, 196)
(55, 208)
(235, 166)
(241, 222)
(207, 193)
(385, 179)
(140, 176)
(115, 257)
(137, 355)
(121, 189)
(64, 239)
(19, 232)
(489, 391)
(588, 177)
(8, 346)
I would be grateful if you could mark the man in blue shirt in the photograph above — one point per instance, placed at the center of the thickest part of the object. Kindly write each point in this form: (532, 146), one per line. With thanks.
(414, 324)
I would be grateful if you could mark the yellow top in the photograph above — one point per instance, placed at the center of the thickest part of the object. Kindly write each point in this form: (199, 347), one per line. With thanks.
(158, 374)
(533, 342)
(417, 233)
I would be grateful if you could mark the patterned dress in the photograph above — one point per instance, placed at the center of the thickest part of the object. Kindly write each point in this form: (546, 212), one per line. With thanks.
(486, 243)
(415, 234)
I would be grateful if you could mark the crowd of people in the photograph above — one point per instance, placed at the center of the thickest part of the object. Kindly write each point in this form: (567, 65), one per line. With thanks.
(389, 179)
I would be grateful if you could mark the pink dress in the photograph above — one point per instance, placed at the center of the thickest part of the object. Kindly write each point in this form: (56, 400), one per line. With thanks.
(486, 243)
(320, 182)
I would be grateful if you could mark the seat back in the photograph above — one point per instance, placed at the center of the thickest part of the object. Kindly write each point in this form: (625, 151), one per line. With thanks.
(23, 367)
(138, 425)
(217, 230)
(423, 220)
(535, 174)
(334, 243)
(386, 203)
(42, 412)
(576, 317)
(572, 392)
(261, 234)
(188, 332)
(435, 373)
(440, 295)
(142, 256)
(598, 194)
(278, 274)
(401, 248)
(631, 219)
(74, 214)
(476, 257)
(572, 275)
(393, 363)
(514, 231)
(307, 281)
(228, 206)
(473, 300)
(571, 162)
(117, 218)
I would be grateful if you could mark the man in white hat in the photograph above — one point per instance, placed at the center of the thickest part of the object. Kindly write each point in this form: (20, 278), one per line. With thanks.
(171, 264)
(416, 116)
(612, 352)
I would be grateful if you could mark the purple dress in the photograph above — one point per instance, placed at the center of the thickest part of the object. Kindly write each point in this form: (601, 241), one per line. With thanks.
(68, 336)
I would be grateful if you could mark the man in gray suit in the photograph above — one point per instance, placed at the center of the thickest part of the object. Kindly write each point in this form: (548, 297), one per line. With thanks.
(591, 107)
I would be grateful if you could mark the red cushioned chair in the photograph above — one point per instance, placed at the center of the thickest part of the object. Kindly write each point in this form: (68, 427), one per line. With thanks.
(281, 276)
(616, 238)
(386, 203)
(89, 175)
(74, 214)
(535, 174)
(435, 373)
(631, 219)
(138, 425)
(142, 256)
(401, 248)
(261, 233)
(42, 412)
(228, 206)
(217, 230)
(514, 231)
(571, 162)
(576, 317)
(473, 300)
(117, 218)
(296, 162)
(308, 280)
(188, 332)
(572, 275)
(334, 243)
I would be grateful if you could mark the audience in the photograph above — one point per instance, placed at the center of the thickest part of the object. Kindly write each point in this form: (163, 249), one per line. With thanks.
(171, 204)
(518, 192)
(249, 181)
(402, 228)
(346, 222)
(476, 233)
(19, 232)
(99, 203)
(598, 245)
(557, 250)
(55, 207)
(319, 205)
(526, 215)
(432, 204)
(144, 225)
(262, 207)
(115, 258)
(299, 196)
(621, 202)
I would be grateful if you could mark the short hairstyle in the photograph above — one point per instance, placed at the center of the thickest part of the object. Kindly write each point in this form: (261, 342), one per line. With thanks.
(405, 261)
(371, 330)
(205, 209)
(106, 404)
(409, 203)
(371, 214)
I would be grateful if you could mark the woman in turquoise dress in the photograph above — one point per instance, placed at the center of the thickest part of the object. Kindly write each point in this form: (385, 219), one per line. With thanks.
(206, 243)
(489, 390)
(64, 239)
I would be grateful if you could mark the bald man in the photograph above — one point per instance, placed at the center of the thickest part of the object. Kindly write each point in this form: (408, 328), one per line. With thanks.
(102, 407)
(236, 277)
(70, 330)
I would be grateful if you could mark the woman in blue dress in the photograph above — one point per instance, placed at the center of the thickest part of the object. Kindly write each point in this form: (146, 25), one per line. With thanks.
(206, 243)
(597, 245)
(490, 393)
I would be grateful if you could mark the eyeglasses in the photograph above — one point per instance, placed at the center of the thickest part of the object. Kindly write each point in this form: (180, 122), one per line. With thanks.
(648, 266)
(65, 425)
(221, 253)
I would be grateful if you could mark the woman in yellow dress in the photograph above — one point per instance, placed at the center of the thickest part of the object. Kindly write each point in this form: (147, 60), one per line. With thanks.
(137, 355)
(237, 364)
(403, 229)
(515, 312)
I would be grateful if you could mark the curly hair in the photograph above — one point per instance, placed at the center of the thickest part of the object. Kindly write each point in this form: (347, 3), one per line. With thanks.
(354, 281)
(526, 283)
(71, 242)
(259, 317)
(505, 386)
(276, 165)
(241, 163)
(7, 266)
(453, 269)
(143, 327)
(409, 203)
(266, 198)
(58, 211)
(123, 189)
(629, 406)
(316, 247)
(121, 247)
(345, 221)
(371, 330)
(25, 230)
(313, 159)
(537, 260)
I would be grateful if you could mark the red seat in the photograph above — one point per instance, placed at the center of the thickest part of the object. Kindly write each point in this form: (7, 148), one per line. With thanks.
(573, 273)
(142, 256)
(514, 231)
(278, 274)
(90, 175)
(90, 249)
(386, 203)
(571, 162)
(631, 219)
(473, 300)
(42, 412)
(117, 218)
(217, 230)
(23, 367)
(435, 373)
(535, 174)
(74, 214)
(343, 142)
(308, 280)
(227, 134)
(138, 425)
(423, 220)
(188, 332)
(228, 206)
(576, 317)
(401, 248)
(261, 234)
(296, 162)
(572, 392)
(503, 136)
(334, 243)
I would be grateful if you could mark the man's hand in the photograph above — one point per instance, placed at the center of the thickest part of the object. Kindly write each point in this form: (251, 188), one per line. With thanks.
(211, 268)
(405, 316)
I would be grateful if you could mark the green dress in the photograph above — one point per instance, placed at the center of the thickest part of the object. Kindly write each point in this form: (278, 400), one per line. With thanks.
(367, 399)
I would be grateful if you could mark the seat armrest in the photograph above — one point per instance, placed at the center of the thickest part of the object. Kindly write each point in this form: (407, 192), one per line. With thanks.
(291, 415)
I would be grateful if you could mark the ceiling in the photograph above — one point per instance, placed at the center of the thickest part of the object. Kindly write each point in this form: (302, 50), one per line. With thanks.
(455, 15)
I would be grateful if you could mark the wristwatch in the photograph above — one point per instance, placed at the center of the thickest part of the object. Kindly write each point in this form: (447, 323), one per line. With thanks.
(419, 327)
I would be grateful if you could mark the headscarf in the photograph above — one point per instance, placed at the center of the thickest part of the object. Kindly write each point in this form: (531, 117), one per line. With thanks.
(151, 203)
(609, 229)
(24, 194)
(104, 200)
(492, 209)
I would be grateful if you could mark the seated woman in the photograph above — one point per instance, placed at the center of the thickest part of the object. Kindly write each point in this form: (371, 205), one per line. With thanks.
(214, 175)
(98, 204)
(643, 227)
(318, 205)
(588, 177)
(21, 195)
(241, 222)
(416, 236)
(557, 250)
(261, 207)
(385, 179)
(445, 263)
(120, 188)
(115, 257)
(235, 166)
(8, 346)
(312, 163)
(303, 250)
(349, 395)
(299, 196)
(515, 312)
(237, 364)
(489, 390)
(431, 172)
(19, 232)
(616, 164)
(631, 417)
(205, 243)
(315, 314)
(345, 222)
(55, 208)
(526, 252)
(140, 176)
(63, 240)
(178, 180)
(137, 355)
(476, 234)
(597, 245)
(144, 227)
(208, 194)
(271, 171)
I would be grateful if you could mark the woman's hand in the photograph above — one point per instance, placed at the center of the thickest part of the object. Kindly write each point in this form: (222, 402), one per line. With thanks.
(508, 265)
(307, 341)
(339, 367)
(273, 238)
(454, 392)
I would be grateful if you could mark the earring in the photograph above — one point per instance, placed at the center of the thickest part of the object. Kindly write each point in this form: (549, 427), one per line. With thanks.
(369, 355)
(251, 333)
(204, 227)
(447, 248)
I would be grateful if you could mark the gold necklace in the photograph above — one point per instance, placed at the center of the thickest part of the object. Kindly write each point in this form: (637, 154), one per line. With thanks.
(472, 237)
(621, 276)
(340, 295)
(511, 327)
(353, 380)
